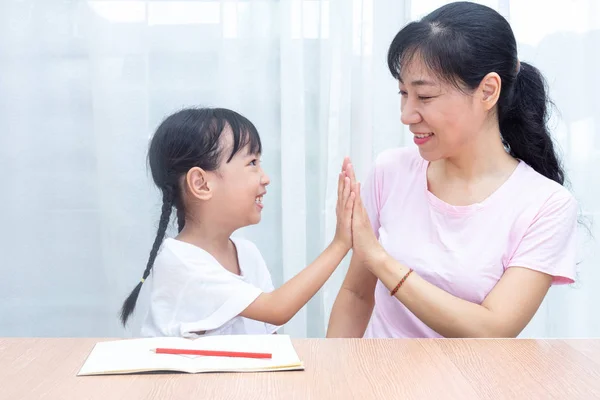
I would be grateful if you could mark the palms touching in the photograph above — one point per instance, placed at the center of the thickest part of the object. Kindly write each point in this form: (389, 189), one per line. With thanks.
(365, 245)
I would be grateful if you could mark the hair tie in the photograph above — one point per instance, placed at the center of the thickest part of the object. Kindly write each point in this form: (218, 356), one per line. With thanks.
(142, 280)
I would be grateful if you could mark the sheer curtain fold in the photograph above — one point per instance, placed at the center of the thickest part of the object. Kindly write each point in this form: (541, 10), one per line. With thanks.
(83, 84)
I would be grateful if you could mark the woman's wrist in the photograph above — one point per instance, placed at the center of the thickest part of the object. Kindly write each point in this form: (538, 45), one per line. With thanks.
(376, 258)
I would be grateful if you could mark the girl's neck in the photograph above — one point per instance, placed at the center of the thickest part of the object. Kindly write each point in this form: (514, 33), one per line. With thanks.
(212, 239)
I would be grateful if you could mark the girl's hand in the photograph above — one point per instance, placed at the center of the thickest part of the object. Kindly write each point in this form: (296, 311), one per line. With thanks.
(343, 210)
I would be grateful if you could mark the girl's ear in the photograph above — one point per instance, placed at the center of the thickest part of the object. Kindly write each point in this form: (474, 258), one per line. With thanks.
(198, 184)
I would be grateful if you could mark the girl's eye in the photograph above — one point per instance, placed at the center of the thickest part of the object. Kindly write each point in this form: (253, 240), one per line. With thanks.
(403, 93)
(253, 162)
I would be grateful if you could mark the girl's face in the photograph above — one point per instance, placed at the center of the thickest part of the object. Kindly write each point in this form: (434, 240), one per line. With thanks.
(237, 187)
(241, 186)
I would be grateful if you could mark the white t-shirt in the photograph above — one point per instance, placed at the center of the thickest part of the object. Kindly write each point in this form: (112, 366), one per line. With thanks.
(191, 293)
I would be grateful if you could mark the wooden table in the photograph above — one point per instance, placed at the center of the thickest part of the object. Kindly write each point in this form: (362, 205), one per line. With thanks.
(335, 369)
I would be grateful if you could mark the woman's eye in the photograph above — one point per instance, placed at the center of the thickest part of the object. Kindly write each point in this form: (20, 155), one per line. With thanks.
(405, 94)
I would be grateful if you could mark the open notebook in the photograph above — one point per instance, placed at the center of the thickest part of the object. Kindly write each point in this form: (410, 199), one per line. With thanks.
(136, 355)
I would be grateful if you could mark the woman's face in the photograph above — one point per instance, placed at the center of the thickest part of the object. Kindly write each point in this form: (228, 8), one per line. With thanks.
(442, 118)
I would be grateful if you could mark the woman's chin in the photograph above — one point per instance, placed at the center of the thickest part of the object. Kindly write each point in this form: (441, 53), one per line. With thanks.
(429, 154)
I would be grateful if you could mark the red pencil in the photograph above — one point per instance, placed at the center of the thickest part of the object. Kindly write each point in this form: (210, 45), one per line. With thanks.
(213, 353)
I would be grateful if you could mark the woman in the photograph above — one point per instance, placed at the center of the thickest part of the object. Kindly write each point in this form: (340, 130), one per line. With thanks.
(478, 211)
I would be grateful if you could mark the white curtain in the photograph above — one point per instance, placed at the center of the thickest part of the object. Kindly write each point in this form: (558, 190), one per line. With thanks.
(83, 84)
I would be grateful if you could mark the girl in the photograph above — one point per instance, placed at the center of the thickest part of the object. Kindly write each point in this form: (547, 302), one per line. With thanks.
(468, 232)
(206, 162)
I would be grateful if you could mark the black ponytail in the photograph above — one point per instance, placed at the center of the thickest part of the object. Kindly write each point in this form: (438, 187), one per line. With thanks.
(523, 118)
(165, 216)
(462, 42)
(184, 140)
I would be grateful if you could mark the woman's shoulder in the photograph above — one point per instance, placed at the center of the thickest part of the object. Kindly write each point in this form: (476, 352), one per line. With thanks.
(399, 159)
(544, 190)
(399, 155)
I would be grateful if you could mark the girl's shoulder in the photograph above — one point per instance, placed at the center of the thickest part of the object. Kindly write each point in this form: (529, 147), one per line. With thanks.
(247, 247)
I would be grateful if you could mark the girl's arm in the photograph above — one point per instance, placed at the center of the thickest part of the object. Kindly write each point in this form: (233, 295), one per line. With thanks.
(280, 305)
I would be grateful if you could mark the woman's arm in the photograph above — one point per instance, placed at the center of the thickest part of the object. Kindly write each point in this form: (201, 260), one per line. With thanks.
(354, 303)
(506, 310)
(510, 305)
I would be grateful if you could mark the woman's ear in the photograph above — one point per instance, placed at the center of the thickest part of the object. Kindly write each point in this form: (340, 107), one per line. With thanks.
(489, 89)
(198, 184)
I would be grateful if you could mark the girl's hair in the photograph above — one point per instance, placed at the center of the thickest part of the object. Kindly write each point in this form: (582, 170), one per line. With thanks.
(187, 139)
(461, 43)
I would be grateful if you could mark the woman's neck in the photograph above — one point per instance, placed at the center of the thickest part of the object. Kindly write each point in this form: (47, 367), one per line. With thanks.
(480, 159)
(472, 176)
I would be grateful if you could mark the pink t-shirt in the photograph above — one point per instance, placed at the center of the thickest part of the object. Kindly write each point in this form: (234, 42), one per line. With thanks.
(530, 221)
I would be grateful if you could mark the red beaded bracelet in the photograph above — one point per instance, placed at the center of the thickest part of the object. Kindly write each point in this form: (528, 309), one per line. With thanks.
(393, 292)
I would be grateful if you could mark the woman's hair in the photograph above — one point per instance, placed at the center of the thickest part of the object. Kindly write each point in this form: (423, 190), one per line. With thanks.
(461, 43)
(187, 139)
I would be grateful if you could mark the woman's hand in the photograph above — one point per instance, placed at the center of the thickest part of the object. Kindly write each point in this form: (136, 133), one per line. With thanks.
(365, 245)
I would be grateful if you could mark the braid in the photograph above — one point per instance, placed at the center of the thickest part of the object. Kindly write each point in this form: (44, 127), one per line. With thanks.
(165, 216)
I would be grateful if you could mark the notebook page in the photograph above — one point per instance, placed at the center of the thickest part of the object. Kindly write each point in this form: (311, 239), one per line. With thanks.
(135, 355)
(280, 346)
